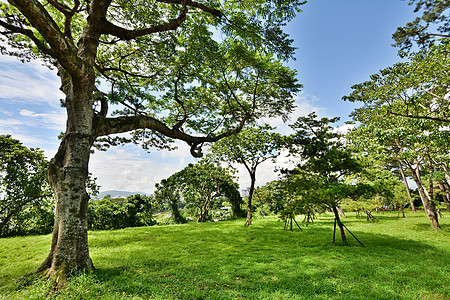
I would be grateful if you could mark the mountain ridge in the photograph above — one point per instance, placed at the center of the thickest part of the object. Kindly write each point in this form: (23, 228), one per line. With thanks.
(118, 194)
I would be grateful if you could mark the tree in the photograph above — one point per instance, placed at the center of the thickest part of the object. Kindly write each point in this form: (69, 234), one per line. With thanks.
(251, 147)
(201, 187)
(161, 61)
(410, 141)
(406, 110)
(167, 191)
(273, 194)
(415, 89)
(22, 183)
(417, 32)
(133, 211)
(325, 163)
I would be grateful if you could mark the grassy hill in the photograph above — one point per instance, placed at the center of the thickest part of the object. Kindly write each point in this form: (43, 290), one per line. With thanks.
(402, 259)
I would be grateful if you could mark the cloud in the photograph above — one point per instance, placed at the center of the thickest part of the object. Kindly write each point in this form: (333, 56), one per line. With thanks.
(54, 120)
(129, 168)
(31, 81)
(305, 104)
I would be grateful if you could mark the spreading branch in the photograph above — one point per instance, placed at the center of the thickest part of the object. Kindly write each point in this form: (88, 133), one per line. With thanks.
(39, 18)
(107, 126)
(107, 27)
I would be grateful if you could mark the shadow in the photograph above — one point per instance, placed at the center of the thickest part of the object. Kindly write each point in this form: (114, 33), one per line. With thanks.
(229, 261)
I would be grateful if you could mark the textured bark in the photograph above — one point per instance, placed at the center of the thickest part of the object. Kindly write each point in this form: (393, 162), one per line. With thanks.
(340, 225)
(411, 201)
(248, 222)
(67, 175)
(430, 208)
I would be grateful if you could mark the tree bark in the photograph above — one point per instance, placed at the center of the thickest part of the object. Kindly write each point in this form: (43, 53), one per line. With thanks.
(67, 175)
(430, 208)
(340, 225)
(411, 201)
(248, 222)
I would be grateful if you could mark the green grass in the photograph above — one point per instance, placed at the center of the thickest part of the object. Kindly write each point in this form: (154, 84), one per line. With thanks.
(402, 259)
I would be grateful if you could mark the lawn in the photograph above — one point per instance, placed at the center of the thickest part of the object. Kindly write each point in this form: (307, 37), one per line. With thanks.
(402, 259)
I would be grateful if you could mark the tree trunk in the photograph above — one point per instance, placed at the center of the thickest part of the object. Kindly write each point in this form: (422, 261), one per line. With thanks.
(447, 185)
(411, 201)
(429, 207)
(445, 194)
(340, 225)
(204, 211)
(67, 175)
(248, 222)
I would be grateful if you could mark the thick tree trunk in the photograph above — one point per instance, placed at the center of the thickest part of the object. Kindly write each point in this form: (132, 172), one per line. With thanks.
(430, 208)
(248, 222)
(411, 201)
(340, 225)
(67, 175)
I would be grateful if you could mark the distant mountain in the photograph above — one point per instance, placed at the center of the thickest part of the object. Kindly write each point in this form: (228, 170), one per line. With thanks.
(118, 194)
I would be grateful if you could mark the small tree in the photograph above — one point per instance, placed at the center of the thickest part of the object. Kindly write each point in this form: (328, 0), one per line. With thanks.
(251, 147)
(325, 163)
(168, 191)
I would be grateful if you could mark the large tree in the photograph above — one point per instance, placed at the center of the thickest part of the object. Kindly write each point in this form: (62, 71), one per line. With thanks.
(250, 148)
(415, 143)
(181, 69)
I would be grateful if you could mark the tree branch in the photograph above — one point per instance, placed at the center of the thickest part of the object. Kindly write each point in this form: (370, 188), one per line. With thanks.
(107, 126)
(39, 18)
(14, 29)
(190, 3)
(107, 27)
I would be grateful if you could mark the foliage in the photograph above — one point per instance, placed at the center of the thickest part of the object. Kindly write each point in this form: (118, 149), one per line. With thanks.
(250, 148)
(133, 211)
(201, 188)
(433, 26)
(272, 195)
(404, 116)
(25, 197)
(415, 89)
(206, 261)
(325, 163)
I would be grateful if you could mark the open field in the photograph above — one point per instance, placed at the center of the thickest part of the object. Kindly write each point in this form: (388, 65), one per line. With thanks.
(402, 259)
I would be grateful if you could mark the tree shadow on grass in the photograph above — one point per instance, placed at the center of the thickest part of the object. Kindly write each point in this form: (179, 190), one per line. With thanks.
(265, 262)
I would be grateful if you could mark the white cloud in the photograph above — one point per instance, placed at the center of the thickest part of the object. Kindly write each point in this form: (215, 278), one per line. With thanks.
(129, 168)
(305, 104)
(9, 125)
(54, 120)
(28, 82)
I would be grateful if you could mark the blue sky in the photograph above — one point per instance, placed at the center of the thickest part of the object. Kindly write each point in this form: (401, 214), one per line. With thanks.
(340, 43)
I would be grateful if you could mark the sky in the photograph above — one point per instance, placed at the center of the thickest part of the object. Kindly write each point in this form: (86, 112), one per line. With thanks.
(339, 43)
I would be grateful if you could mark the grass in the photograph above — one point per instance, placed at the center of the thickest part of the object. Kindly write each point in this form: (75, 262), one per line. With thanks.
(402, 259)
